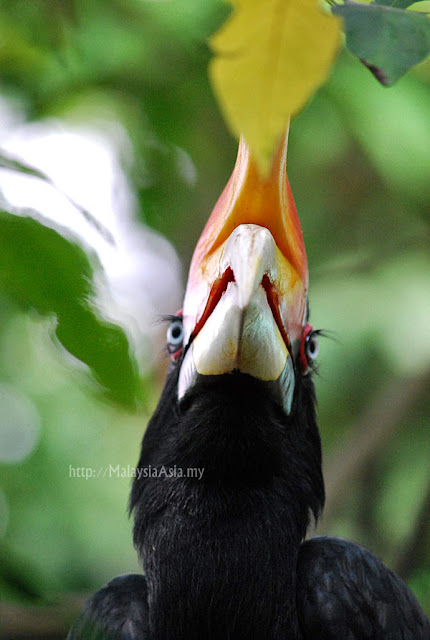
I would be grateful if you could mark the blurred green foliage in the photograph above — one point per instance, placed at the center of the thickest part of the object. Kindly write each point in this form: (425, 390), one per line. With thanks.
(359, 165)
(41, 270)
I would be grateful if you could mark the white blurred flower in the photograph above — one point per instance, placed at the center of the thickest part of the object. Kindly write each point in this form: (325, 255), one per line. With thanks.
(142, 275)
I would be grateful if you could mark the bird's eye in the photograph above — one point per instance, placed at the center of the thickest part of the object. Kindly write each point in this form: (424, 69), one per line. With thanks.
(309, 348)
(312, 346)
(175, 337)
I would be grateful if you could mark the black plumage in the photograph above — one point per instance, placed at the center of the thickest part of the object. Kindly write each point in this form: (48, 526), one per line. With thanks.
(223, 555)
(220, 553)
(344, 591)
(119, 611)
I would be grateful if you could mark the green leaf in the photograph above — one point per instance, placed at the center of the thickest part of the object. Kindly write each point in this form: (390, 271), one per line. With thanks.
(42, 270)
(388, 41)
(397, 4)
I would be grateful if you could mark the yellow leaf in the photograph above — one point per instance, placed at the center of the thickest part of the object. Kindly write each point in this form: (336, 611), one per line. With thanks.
(270, 57)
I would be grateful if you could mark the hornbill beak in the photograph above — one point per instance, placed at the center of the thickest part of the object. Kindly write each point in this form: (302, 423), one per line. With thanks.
(245, 305)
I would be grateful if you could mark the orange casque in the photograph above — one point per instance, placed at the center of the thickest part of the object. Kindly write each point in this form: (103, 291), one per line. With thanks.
(266, 201)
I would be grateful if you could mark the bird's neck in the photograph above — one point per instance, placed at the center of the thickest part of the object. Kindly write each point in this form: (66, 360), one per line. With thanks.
(220, 552)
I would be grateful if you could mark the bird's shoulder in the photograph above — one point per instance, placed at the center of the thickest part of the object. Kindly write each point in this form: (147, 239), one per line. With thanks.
(118, 611)
(345, 591)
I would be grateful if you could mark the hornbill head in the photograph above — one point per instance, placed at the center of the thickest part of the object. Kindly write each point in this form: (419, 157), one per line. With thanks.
(239, 406)
(245, 307)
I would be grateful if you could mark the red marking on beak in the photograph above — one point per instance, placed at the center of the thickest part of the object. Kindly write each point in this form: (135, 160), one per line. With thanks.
(264, 201)
(273, 300)
(218, 288)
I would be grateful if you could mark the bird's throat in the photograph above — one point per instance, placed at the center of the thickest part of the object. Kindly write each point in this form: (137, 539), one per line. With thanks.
(217, 570)
(236, 530)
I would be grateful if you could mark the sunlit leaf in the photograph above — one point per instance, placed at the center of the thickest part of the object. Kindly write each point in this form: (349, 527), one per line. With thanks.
(11, 163)
(423, 6)
(270, 57)
(388, 41)
(42, 270)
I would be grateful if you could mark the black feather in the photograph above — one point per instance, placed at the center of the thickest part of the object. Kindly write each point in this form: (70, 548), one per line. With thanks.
(344, 591)
(116, 612)
(224, 555)
(220, 553)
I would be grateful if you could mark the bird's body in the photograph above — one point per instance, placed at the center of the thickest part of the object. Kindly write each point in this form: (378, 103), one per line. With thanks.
(221, 552)
(224, 555)
(221, 530)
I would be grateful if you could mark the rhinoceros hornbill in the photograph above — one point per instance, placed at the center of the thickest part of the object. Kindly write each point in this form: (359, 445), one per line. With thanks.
(224, 554)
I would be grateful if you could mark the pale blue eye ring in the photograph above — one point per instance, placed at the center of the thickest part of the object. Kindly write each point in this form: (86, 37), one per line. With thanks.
(175, 335)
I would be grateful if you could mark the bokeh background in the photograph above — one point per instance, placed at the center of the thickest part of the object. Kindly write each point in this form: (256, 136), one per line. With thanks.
(112, 100)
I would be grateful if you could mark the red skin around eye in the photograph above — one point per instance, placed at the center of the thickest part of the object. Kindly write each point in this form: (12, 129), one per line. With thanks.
(175, 356)
(303, 360)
